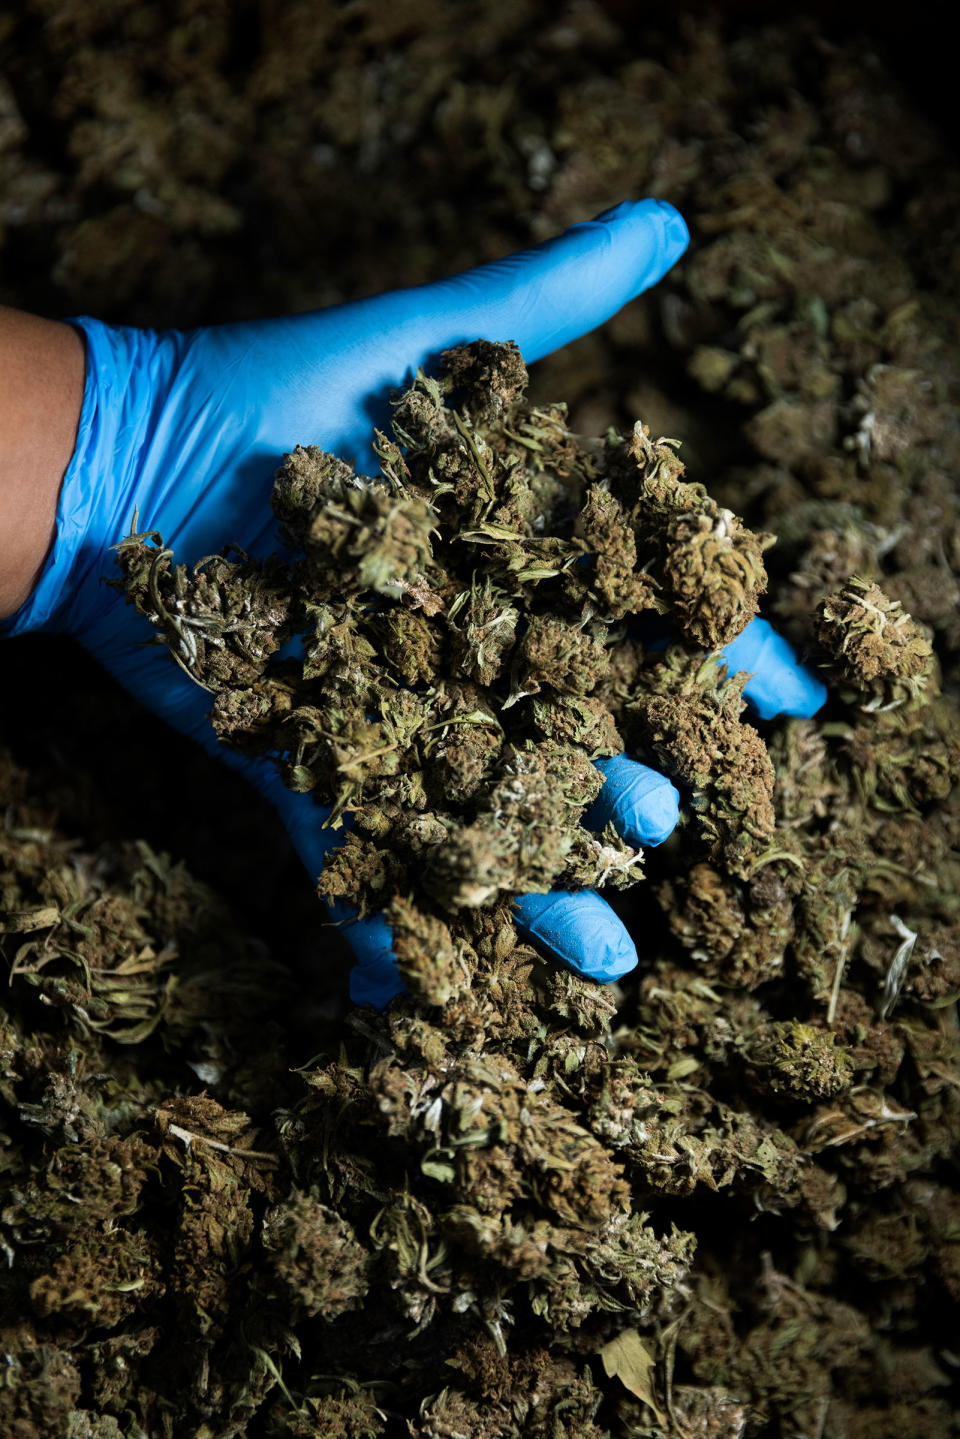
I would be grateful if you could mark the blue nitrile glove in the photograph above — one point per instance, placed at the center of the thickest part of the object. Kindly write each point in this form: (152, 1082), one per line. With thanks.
(778, 684)
(188, 427)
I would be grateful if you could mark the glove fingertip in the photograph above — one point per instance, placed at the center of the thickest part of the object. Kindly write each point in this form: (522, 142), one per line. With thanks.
(641, 803)
(375, 978)
(661, 811)
(580, 930)
(638, 218)
(676, 231)
(779, 684)
(613, 954)
(798, 694)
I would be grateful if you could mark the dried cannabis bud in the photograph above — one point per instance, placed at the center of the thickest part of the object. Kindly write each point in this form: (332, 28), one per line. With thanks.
(797, 1061)
(689, 722)
(874, 645)
(316, 1255)
(709, 565)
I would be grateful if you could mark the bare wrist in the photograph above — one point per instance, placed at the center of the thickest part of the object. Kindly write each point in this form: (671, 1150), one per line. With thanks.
(42, 367)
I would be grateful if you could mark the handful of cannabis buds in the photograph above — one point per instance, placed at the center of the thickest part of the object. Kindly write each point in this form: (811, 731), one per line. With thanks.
(466, 627)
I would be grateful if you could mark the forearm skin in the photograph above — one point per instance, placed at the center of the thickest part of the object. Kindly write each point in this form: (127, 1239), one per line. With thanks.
(41, 392)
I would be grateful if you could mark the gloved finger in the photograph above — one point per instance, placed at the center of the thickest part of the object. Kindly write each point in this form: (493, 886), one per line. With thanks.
(579, 929)
(548, 295)
(641, 803)
(375, 978)
(328, 374)
(779, 683)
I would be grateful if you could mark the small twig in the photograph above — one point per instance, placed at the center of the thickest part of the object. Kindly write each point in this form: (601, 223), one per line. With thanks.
(188, 1138)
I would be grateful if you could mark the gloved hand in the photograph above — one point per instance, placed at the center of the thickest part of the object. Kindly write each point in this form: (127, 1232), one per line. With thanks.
(188, 427)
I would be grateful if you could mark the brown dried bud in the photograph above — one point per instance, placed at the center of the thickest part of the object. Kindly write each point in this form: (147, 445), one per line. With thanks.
(873, 644)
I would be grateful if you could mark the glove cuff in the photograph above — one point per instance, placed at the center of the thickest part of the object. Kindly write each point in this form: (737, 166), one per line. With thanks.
(108, 438)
